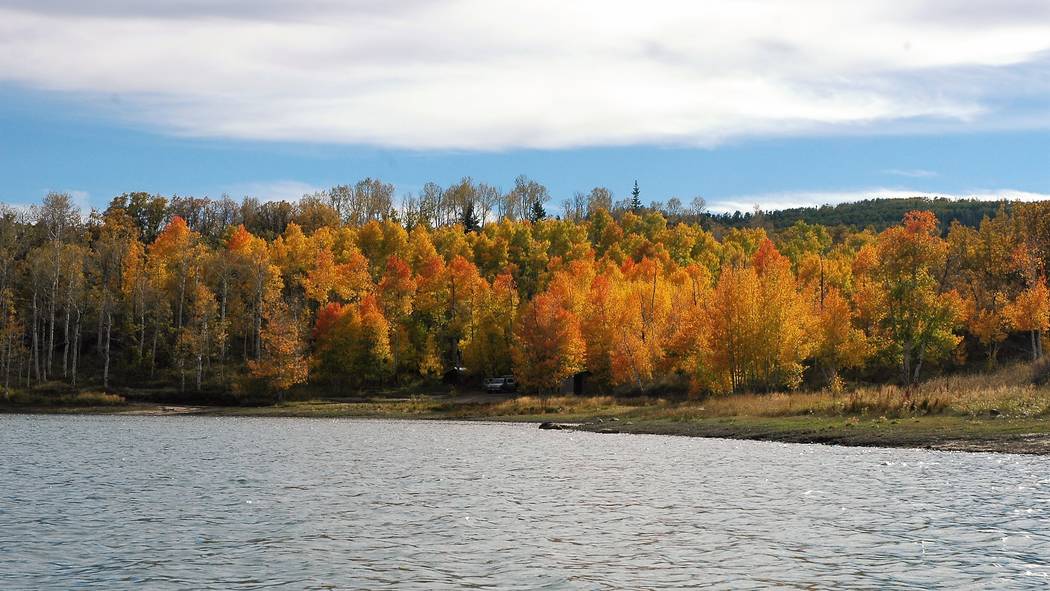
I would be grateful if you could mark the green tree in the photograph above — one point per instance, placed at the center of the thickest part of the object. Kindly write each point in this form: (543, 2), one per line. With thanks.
(919, 317)
(538, 213)
(470, 220)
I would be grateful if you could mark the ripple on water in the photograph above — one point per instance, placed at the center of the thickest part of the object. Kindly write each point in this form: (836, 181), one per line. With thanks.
(221, 503)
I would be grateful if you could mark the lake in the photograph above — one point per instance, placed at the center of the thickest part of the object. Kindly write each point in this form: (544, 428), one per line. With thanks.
(111, 502)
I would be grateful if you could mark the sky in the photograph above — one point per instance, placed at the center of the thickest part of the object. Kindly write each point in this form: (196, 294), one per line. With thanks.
(746, 102)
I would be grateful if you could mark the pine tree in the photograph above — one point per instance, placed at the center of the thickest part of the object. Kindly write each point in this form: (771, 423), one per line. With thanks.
(538, 213)
(636, 202)
(470, 220)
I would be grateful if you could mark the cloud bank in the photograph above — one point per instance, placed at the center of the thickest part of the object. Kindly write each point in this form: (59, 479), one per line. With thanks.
(281, 190)
(493, 74)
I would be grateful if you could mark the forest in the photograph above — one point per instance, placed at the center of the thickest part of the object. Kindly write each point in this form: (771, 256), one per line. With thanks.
(351, 288)
(869, 213)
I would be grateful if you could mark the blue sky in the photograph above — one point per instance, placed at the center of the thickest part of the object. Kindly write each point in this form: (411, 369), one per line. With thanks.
(810, 106)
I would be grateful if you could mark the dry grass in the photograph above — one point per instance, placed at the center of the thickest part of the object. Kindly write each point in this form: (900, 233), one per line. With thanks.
(562, 405)
(883, 401)
(78, 399)
(1007, 392)
(97, 399)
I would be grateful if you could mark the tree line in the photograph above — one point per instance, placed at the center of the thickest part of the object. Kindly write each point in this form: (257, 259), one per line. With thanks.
(874, 213)
(342, 291)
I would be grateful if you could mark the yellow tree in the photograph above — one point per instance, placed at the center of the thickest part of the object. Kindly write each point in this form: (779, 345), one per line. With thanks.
(1030, 312)
(283, 362)
(759, 327)
(918, 317)
(731, 309)
(487, 350)
(989, 325)
(397, 289)
(598, 324)
(327, 280)
(136, 291)
(980, 265)
(352, 344)
(429, 319)
(116, 242)
(838, 340)
(174, 256)
(687, 351)
(293, 253)
(260, 282)
(839, 344)
(196, 337)
(465, 291)
(785, 328)
(641, 307)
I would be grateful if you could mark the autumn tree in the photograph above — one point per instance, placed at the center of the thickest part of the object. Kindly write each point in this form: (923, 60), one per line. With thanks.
(1030, 312)
(919, 317)
(548, 345)
(981, 266)
(283, 362)
(487, 349)
(195, 339)
(640, 306)
(839, 343)
(202, 290)
(397, 291)
(117, 241)
(760, 329)
(352, 343)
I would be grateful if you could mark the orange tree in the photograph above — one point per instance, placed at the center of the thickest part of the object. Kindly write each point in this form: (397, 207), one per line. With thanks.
(548, 346)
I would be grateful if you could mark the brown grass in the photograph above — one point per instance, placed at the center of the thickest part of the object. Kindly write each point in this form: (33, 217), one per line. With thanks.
(1006, 392)
(74, 399)
(538, 405)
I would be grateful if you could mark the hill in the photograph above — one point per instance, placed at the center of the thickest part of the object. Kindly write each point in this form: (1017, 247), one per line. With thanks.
(877, 213)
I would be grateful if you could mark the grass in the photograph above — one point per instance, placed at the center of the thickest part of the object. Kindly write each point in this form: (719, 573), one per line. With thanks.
(73, 399)
(418, 407)
(996, 411)
(1005, 393)
(562, 407)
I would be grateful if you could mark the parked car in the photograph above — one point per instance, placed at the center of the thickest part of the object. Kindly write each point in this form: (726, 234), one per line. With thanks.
(501, 384)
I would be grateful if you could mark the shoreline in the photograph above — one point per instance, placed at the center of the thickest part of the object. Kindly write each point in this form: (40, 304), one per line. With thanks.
(933, 432)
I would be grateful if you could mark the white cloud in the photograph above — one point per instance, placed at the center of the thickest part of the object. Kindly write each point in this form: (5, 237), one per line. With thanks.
(282, 190)
(789, 199)
(81, 201)
(492, 74)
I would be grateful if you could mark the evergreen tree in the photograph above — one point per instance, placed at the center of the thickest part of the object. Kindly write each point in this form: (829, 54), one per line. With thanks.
(538, 213)
(636, 203)
(470, 220)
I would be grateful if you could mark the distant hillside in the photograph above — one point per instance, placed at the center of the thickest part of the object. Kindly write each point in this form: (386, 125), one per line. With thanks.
(878, 213)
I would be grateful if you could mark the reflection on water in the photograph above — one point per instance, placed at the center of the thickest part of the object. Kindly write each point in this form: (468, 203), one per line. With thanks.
(237, 503)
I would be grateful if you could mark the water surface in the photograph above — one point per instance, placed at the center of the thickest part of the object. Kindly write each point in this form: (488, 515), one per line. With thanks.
(238, 503)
